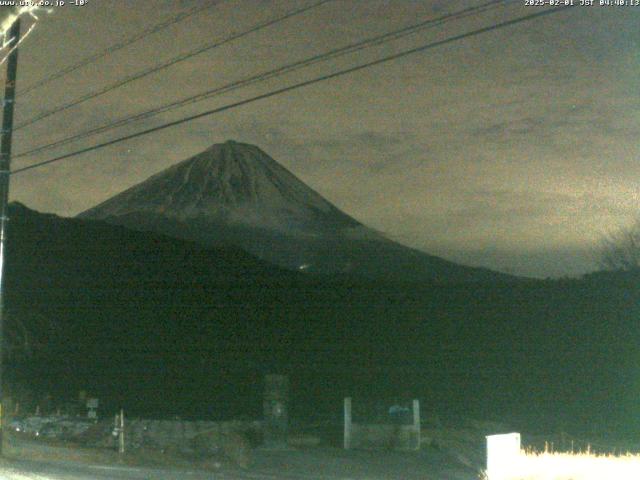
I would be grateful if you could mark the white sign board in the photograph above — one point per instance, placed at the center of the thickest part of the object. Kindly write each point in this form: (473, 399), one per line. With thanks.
(502, 455)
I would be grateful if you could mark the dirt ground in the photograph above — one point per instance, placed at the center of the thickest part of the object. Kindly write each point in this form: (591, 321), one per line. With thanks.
(455, 451)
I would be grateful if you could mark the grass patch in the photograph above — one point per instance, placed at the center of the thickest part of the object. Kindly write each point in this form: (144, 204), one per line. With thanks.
(531, 465)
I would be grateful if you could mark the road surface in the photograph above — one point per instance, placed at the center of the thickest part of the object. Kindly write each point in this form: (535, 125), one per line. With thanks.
(317, 464)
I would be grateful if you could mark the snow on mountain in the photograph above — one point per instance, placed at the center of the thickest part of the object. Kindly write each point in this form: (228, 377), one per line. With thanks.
(234, 183)
(234, 193)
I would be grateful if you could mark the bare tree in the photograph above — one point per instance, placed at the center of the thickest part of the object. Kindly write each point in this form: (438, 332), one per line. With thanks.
(620, 250)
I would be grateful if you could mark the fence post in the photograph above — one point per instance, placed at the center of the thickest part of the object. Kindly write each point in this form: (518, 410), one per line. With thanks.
(502, 455)
(276, 416)
(347, 423)
(121, 432)
(416, 422)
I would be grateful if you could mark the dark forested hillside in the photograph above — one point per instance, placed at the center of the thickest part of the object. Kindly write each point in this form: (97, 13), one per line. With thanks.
(163, 326)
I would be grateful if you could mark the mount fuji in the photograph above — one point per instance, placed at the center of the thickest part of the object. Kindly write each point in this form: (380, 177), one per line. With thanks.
(234, 194)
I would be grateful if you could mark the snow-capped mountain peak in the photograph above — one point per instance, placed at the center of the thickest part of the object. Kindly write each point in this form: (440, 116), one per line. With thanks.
(230, 182)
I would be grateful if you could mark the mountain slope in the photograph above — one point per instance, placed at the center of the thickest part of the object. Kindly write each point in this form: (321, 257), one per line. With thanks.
(162, 326)
(235, 194)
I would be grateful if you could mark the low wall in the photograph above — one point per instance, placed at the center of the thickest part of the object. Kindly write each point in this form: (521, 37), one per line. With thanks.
(384, 436)
(176, 433)
(157, 434)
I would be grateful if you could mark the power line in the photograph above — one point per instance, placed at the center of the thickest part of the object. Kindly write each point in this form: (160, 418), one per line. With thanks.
(298, 85)
(351, 48)
(168, 63)
(118, 46)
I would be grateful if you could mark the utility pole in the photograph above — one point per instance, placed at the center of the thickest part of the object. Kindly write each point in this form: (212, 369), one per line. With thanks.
(5, 172)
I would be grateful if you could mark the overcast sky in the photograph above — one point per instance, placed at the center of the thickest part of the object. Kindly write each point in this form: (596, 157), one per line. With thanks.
(515, 150)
